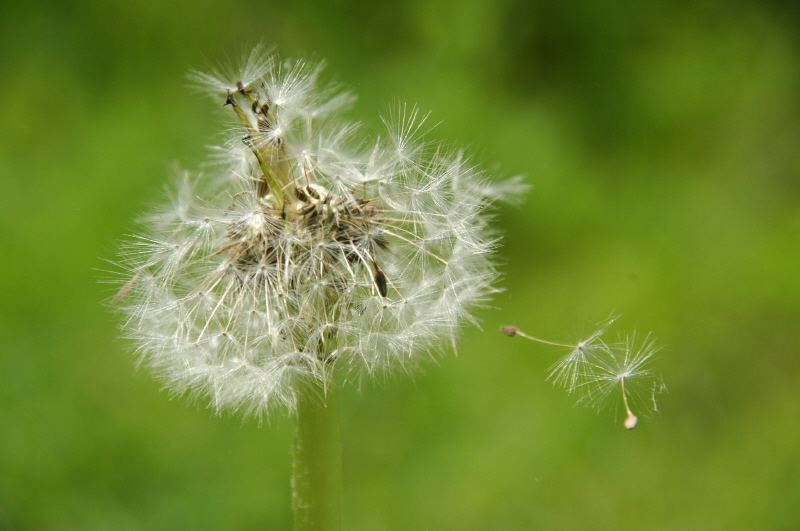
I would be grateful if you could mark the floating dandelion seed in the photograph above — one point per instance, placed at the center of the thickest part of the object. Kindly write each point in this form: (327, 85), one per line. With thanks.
(569, 370)
(624, 365)
(594, 369)
(309, 249)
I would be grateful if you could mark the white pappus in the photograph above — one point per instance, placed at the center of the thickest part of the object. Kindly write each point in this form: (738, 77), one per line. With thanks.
(306, 249)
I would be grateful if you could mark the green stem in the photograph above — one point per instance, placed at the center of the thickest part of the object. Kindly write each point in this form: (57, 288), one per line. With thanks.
(317, 471)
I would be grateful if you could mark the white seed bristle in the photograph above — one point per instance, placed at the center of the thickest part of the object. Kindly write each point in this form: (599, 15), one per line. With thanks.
(309, 249)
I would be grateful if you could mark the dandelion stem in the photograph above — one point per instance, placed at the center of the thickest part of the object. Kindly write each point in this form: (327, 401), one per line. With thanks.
(317, 471)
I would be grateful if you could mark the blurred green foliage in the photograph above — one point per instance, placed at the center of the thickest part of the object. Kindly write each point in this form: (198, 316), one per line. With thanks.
(661, 139)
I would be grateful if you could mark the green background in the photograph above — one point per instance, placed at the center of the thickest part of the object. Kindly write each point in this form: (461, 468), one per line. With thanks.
(661, 142)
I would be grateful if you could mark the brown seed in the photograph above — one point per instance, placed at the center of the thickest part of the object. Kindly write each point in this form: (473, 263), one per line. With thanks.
(510, 331)
(124, 291)
(380, 281)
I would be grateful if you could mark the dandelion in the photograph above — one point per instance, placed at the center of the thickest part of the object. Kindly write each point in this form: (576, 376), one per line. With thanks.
(306, 251)
(594, 370)
(624, 365)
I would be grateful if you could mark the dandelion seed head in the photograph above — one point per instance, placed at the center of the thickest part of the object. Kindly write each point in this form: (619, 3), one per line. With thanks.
(305, 249)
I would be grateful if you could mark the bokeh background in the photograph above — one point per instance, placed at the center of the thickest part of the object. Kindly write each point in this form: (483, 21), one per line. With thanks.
(661, 143)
